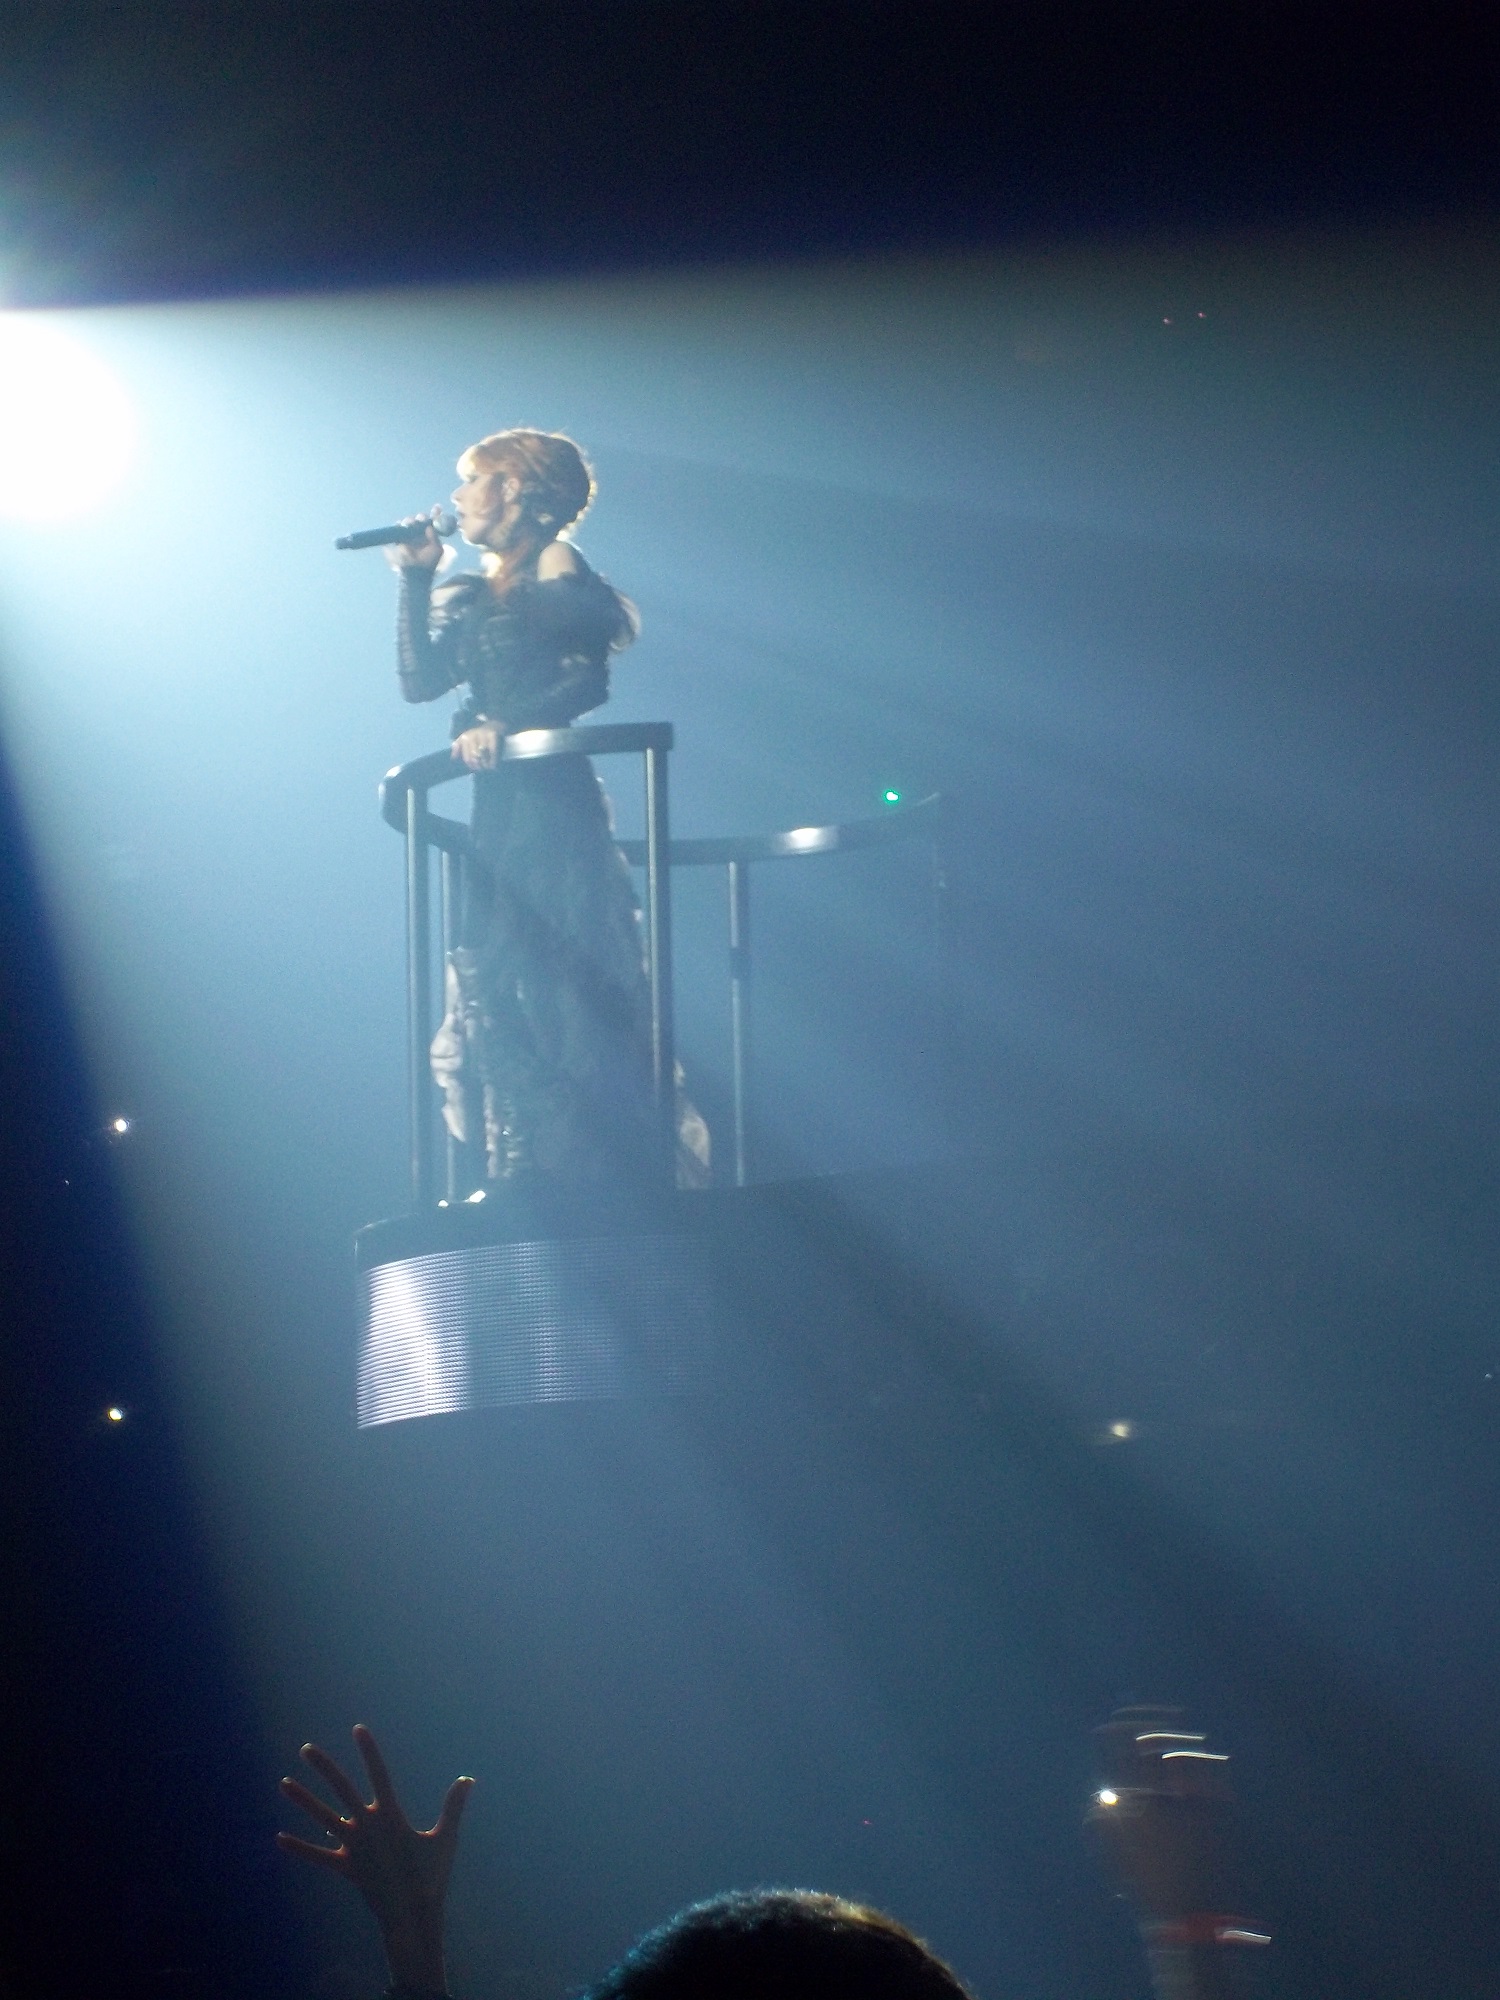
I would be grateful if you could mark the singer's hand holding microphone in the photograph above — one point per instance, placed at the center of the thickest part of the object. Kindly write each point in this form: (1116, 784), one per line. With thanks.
(410, 544)
(425, 551)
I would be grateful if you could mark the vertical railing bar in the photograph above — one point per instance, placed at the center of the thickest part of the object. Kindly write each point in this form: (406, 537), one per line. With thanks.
(944, 1001)
(418, 997)
(739, 1014)
(659, 956)
(450, 868)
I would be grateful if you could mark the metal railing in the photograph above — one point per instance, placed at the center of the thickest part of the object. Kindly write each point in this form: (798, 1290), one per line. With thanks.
(403, 797)
(737, 855)
(403, 804)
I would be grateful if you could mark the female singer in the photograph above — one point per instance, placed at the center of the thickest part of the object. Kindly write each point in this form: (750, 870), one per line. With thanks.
(546, 1034)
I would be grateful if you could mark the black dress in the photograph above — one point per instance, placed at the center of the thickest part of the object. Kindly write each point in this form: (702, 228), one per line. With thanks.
(547, 1032)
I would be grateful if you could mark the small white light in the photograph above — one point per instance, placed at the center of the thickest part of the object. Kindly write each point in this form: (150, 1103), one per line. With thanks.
(1108, 1797)
(1122, 1428)
(119, 1126)
(477, 1195)
(114, 1414)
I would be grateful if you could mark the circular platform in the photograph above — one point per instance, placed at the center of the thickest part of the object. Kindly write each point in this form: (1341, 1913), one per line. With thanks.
(530, 1300)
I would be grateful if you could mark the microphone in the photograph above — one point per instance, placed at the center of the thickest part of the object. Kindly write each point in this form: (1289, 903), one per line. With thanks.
(439, 520)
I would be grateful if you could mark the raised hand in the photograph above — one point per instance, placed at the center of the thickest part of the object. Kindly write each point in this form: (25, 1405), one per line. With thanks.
(401, 1873)
(1164, 1814)
(1164, 1821)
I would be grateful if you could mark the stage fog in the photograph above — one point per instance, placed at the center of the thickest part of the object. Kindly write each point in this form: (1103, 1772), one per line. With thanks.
(1173, 570)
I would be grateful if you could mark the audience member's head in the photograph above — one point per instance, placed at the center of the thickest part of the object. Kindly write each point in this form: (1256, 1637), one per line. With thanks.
(780, 1944)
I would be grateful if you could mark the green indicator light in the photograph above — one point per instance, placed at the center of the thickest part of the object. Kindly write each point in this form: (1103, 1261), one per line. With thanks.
(892, 798)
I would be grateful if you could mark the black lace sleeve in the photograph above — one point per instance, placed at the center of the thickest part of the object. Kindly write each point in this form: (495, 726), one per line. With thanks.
(428, 623)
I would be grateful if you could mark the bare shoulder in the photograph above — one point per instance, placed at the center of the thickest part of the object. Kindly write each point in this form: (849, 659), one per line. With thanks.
(560, 559)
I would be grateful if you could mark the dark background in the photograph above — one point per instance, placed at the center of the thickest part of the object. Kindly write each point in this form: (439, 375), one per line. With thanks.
(207, 151)
(190, 150)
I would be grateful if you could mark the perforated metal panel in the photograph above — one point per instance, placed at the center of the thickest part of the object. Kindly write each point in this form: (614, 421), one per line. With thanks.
(560, 1320)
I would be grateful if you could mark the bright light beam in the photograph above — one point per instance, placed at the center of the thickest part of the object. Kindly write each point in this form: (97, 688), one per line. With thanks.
(67, 427)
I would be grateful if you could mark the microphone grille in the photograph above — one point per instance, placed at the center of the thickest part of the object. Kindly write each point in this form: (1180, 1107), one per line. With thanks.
(443, 523)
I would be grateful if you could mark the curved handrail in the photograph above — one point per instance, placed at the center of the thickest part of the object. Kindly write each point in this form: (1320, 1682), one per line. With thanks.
(900, 823)
(438, 768)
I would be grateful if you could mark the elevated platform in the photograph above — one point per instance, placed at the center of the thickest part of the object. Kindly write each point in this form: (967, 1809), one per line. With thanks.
(532, 1297)
(545, 1296)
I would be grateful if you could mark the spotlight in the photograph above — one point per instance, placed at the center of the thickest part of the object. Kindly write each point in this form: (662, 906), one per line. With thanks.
(891, 796)
(114, 1414)
(1122, 1428)
(67, 429)
(477, 1195)
(1107, 1797)
(119, 1126)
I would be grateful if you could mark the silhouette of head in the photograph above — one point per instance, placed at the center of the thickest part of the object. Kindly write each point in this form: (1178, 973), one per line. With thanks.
(780, 1944)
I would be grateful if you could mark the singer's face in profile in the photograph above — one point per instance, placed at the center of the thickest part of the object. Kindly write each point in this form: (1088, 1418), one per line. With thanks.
(487, 508)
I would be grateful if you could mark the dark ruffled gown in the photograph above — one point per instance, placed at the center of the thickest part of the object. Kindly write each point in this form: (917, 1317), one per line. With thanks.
(545, 1047)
